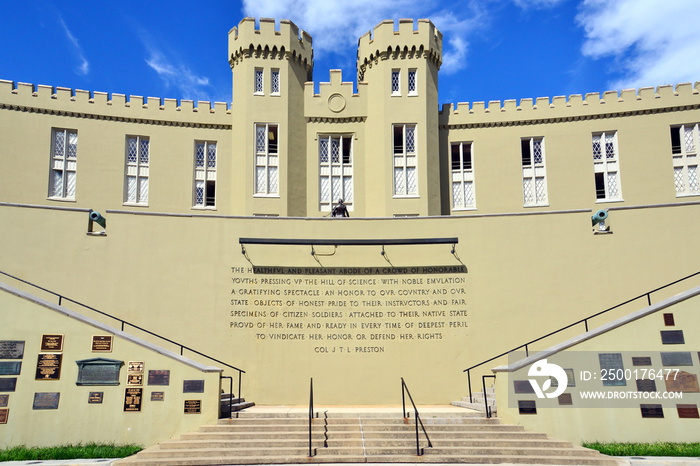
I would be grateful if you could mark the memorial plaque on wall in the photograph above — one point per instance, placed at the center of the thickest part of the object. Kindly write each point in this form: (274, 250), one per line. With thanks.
(46, 400)
(134, 379)
(610, 363)
(11, 349)
(102, 343)
(523, 386)
(157, 396)
(565, 399)
(672, 337)
(4, 399)
(8, 384)
(132, 399)
(193, 406)
(10, 367)
(52, 343)
(95, 397)
(98, 371)
(570, 380)
(527, 407)
(682, 382)
(48, 366)
(641, 361)
(4, 414)
(652, 411)
(669, 321)
(679, 358)
(159, 377)
(646, 385)
(135, 366)
(688, 411)
(193, 386)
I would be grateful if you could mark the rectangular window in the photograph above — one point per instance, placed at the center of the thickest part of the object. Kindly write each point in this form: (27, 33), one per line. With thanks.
(335, 170)
(136, 170)
(266, 160)
(259, 81)
(462, 176)
(684, 149)
(534, 172)
(395, 82)
(64, 163)
(405, 160)
(606, 166)
(412, 83)
(275, 82)
(204, 174)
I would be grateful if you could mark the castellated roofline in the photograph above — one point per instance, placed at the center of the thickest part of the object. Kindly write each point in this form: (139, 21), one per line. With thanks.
(267, 41)
(610, 103)
(336, 100)
(76, 102)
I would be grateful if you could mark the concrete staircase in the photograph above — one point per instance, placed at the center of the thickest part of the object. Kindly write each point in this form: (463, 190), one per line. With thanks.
(265, 436)
(477, 403)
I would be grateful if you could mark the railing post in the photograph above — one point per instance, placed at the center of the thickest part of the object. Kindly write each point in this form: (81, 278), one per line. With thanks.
(487, 410)
(585, 322)
(469, 382)
(403, 396)
(311, 411)
(649, 298)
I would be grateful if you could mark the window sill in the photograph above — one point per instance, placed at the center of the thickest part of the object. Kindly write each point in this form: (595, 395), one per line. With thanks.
(608, 201)
(61, 199)
(267, 196)
(199, 207)
(412, 95)
(688, 195)
(134, 204)
(395, 95)
(407, 196)
(530, 206)
(463, 209)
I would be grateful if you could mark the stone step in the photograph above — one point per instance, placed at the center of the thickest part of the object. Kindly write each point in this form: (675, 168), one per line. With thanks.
(355, 421)
(467, 435)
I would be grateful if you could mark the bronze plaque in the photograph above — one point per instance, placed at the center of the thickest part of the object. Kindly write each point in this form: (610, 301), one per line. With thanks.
(193, 386)
(8, 384)
(98, 371)
(527, 407)
(95, 398)
(672, 337)
(132, 399)
(565, 399)
(157, 396)
(523, 386)
(682, 382)
(669, 321)
(4, 399)
(46, 400)
(102, 343)
(4, 414)
(678, 358)
(193, 407)
(688, 411)
(11, 349)
(641, 361)
(159, 377)
(646, 385)
(135, 366)
(52, 343)
(135, 380)
(652, 411)
(48, 366)
(10, 367)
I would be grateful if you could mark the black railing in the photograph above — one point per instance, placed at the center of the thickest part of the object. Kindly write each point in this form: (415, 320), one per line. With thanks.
(487, 408)
(404, 390)
(124, 323)
(584, 321)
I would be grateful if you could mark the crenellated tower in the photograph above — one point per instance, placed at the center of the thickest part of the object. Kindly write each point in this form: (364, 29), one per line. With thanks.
(399, 64)
(270, 66)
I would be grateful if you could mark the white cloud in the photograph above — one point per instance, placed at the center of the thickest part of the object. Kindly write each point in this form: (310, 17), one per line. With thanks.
(536, 4)
(178, 76)
(84, 66)
(654, 41)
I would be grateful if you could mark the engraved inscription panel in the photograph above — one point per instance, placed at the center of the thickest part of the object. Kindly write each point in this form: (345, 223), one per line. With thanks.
(611, 362)
(4, 399)
(8, 384)
(48, 366)
(159, 377)
(527, 407)
(687, 411)
(678, 358)
(102, 343)
(95, 397)
(193, 386)
(4, 415)
(646, 385)
(672, 337)
(98, 371)
(565, 399)
(652, 410)
(157, 396)
(641, 361)
(682, 382)
(132, 399)
(52, 343)
(193, 406)
(46, 400)
(11, 349)
(10, 367)
(523, 386)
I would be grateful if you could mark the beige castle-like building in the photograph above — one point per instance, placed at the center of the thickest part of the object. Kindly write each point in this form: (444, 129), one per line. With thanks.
(474, 228)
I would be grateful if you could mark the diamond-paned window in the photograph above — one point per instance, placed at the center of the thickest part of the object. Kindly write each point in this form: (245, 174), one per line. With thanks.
(64, 160)
(204, 189)
(395, 82)
(462, 175)
(684, 143)
(136, 170)
(275, 82)
(606, 169)
(266, 160)
(259, 81)
(335, 170)
(405, 160)
(534, 172)
(412, 82)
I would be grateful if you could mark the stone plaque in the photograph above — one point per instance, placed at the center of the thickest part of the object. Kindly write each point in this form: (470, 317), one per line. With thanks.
(527, 407)
(159, 377)
(652, 411)
(565, 399)
(193, 386)
(570, 380)
(193, 407)
(48, 366)
(11, 349)
(646, 385)
(672, 337)
(52, 343)
(44, 400)
(688, 411)
(523, 386)
(10, 367)
(132, 399)
(102, 343)
(611, 363)
(682, 382)
(669, 321)
(641, 361)
(157, 396)
(95, 398)
(8, 384)
(4, 399)
(135, 380)
(4, 414)
(98, 371)
(679, 358)
(135, 366)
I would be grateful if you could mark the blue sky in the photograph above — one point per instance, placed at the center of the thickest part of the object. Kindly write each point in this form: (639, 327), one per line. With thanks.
(493, 49)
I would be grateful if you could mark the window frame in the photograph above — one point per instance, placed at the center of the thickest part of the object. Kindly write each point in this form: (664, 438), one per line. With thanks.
(606, 168)
(266, 160)
(342, 169)
(395, 82)
(275, 80)
(259, 81)
(462, 176)
(412, 84)
(137, 170)
(534, 194)
(204, 176)
(685, 159)
(65, 165)
(408, 160)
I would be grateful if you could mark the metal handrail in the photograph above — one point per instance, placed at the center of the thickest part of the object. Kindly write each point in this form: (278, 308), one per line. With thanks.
(487, 408)
(61, 298)
(582, 321)
(404, 390)
(311, 414)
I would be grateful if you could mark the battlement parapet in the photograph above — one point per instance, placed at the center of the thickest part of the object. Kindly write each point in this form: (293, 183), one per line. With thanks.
(81, 103)
(335, 100)
(561, 108)
(389, 40)
(266, 41)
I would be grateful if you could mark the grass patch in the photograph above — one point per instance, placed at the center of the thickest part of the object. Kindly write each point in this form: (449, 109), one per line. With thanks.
(646, 449)
(69, 452)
